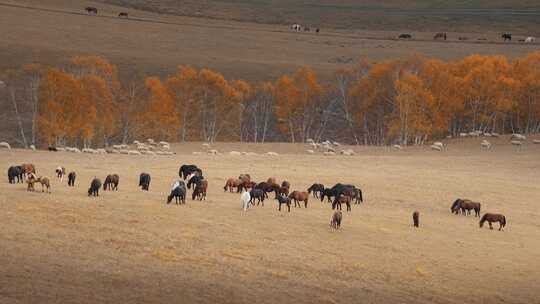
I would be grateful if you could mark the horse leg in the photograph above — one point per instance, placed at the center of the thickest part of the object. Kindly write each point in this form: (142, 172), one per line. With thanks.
(289, 206)
(490, 226)
(279, 209)
(349, 207)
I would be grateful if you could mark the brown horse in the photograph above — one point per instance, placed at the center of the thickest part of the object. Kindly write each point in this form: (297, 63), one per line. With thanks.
(111, 182)
(439, 36)
(493, 217)
(466, 206)
(299, 196)
(245, 185)
(200, 190)
(335, 223)
(45, 183)
(343, 199)
(271, 180)
(231, 184)
(28, 168)
(416, 219)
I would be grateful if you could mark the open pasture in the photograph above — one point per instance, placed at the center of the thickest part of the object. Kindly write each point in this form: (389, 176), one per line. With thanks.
(129, 246)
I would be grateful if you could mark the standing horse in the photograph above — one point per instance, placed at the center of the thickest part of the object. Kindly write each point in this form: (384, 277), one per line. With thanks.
(506, 36)
(316, 189)
(200, 190)
(186, 170)
(416, 219)
(144, 181)
(335, 223)
(282, 199)
(60, 173)
(493, 217)
(299, 196)
(342, 199)
(71, 179)
(15, 172)
(257, 194)
(91, 10)
(245, 198)
(439, 36)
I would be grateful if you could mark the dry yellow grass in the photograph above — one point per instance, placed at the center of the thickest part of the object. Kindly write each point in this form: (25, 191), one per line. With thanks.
(131, 247)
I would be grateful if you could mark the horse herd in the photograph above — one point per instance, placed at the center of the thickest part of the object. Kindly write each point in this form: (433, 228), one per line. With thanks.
(90, 10)
(444, 36)
(191, 177)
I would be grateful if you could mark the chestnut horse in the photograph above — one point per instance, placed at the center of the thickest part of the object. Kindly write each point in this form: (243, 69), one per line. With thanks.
(493, 217)
(342, 199)
(231, 184)
(299, 196)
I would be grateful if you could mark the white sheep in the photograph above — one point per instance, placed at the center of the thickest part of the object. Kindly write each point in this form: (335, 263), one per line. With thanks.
(329, 153)
(436, 148)
(536, 142)
(310, 151)
(439, 144)
(235, 153)
(213, 152)
(347, 152)
(134, 152)
(5, 145)
(397, 147)
(463, 134)
(272, 154)
(494, 134)
(516, 136)
(485, 144)
(60, 149)
(32, 147)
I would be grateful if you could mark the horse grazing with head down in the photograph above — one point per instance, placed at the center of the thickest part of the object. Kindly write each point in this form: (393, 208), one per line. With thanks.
(200, 190)
(71, 178)
(493, 217)
(111, 182)
(232, 183)
(144, 181)
(465, 206)
(94, 187)
(179, 194)
(316, 189)
(335, 223)
(186, 170)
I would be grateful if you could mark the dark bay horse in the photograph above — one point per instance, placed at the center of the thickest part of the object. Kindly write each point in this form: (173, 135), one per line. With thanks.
(493, 217)
(466, 206)
(317, 190)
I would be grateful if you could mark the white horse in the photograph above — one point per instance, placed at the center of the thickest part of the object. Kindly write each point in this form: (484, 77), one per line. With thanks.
(530, 40)
(245, 197)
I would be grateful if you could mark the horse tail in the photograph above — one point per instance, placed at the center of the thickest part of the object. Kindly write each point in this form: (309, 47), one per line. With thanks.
(482, 220)
(360, 195)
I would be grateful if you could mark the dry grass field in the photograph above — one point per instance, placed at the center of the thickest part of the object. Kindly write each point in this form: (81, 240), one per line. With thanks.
(131, 247)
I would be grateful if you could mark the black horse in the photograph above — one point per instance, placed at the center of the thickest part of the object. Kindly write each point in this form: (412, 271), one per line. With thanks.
(144, 181)
(283, 199)
(257, 194)
(405, 36)
(506, 36)
(317, 190)
(186, 170)
(71, 179)
(179, 193)
(15, 172)
(94, 187)
(111, 182)
(195, 180)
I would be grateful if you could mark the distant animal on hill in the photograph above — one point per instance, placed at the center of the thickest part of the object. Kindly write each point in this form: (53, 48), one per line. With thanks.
(144, 181)
(111, 182)
(282, 199)
(493, 217)
(335, 223)
(506, 37)
(405, 36)
(416, 219)
(71, 179)
(15, 172)
(439, 36)
(530, 40)
(94, 187)
(60, 173)
(91, 10)
(123, 14)
(52, 149)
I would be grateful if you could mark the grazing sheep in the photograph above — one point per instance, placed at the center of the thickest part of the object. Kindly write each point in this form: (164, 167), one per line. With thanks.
(235, 153)
(336, 144)
(517, 143)
(164, 143)
(485, 144)
(206, 145)
(516, 136)
(94, 187)
(310, 141)
(32, 147)
(196, 153)
(310, 151)
(213, 152)
(495, 134)
(348, 152)
(133, 152)
(335, 223)
(439, 144)
(536, 141)
(436, 148)
(397, 147)
(329, 153)
(416, 219)
(487, 134)
(272, 154)
(5, 145)
(60, 149)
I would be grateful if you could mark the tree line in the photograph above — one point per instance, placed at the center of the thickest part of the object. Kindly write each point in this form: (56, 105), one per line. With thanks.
(406, 101)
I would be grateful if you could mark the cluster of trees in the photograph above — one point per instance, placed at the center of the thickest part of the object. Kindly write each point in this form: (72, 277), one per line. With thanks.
(404, 101)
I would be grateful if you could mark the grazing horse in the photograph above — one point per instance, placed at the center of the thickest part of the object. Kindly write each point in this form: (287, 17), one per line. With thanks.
(15, 172)
(257, 194)
(200, 190)
(465, 206)
(45, 183)
(246, 185)
(90, 10)
(123, 14)
(144, 181)
(111, 182)
(299, 196)
(186, 170)
(266, 187)
(405, 36)
(506, 36)
(60, 173)
(179, 194)
(335, 223)
(71, 179)
(94, 187)
(282, 199)
(245, 198)
(493, 217)
(342, 199)
(316, 189)
(530, 40)
(231, 184)
(194, 180)
(328, 193)
(416, 219)
(440, 36)
(31, 180)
